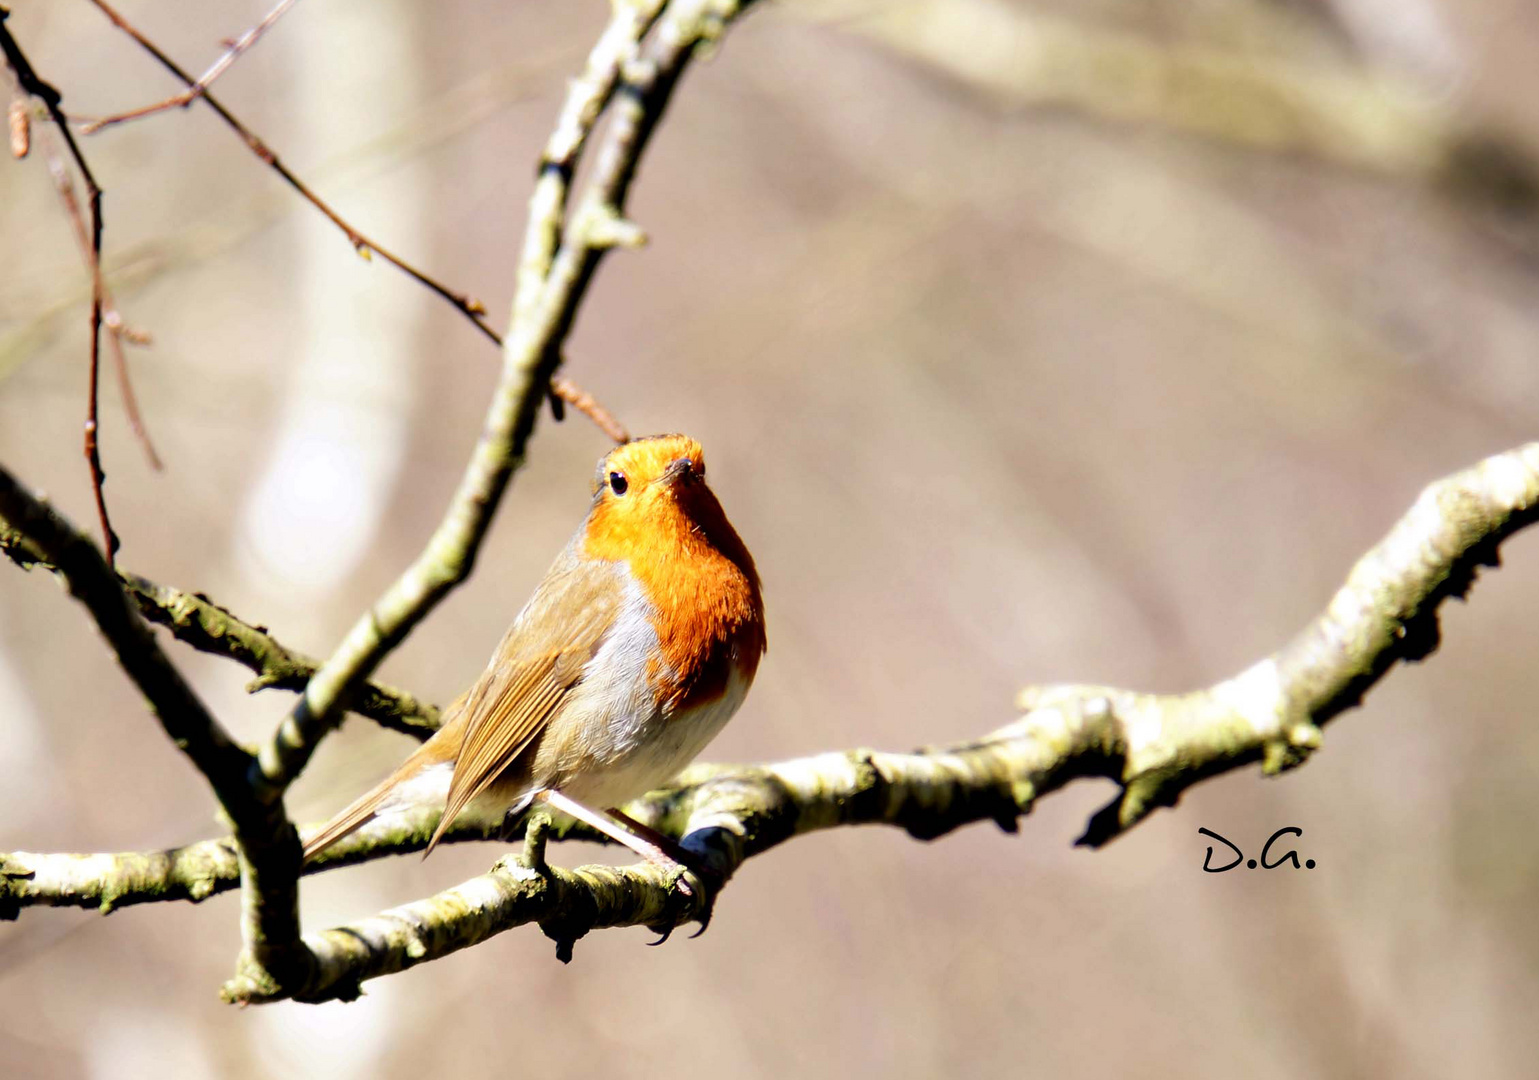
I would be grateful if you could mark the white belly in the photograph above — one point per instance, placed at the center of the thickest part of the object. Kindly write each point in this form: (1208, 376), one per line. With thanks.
(652, 750)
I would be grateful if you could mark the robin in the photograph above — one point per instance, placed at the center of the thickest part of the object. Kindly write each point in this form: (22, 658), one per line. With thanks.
(636, 648)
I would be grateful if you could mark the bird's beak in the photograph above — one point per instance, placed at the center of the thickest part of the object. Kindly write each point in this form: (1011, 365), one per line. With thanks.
(681, 471)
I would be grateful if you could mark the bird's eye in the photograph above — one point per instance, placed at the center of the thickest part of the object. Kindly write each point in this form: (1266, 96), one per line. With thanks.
(618, 483)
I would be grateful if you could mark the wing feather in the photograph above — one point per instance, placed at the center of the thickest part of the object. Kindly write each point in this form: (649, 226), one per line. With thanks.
(539, 663)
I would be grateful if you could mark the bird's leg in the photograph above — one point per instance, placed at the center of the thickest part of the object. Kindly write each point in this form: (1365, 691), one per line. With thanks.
(666, 844)
(648, 843)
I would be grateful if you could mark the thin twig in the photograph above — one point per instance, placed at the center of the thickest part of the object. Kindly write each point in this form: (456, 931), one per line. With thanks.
(197, 89)
(197, 621)
(569, 392)
(466, 305)
(51, 98)
(117, 330)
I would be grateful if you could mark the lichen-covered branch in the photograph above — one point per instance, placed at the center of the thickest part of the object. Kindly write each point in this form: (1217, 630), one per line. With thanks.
(35, 526)
(107, 881)
(1273, 711)
(197, 621)
(585, 101)
(1154, 745)
(269, 846)
(531, 353)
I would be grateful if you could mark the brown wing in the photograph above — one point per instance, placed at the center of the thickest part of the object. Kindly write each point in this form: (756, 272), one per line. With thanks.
(538, 663)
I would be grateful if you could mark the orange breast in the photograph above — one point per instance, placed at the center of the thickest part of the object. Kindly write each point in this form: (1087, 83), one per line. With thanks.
(700, 580)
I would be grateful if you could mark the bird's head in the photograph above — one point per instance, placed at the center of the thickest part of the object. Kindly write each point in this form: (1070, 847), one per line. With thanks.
(635, 477)
(650, 501)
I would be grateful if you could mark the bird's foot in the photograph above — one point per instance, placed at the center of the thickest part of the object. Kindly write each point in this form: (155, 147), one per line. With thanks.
(685, 870)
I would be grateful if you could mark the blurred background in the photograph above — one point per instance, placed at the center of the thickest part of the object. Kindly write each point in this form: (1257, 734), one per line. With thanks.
(1029, 342)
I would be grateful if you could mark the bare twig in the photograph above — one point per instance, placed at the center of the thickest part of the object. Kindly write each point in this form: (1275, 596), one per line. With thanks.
(50, 97)
(569, 392)
(466, 305)
(197, 89)
(118, 331)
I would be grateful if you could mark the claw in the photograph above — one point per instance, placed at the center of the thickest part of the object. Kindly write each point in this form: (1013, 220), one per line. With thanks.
(710, 885)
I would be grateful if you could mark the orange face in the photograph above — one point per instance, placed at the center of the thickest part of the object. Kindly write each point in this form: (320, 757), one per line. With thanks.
(643, 463)
(651, 504)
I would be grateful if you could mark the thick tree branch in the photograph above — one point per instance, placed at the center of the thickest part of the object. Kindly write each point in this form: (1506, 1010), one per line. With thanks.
(197, 871)
(199, 622)
(269, 846)
(1273, 711)
(195, 620)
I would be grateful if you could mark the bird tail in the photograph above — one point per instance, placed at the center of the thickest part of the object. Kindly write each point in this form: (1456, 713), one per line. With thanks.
(400, 788)
(358, 814)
